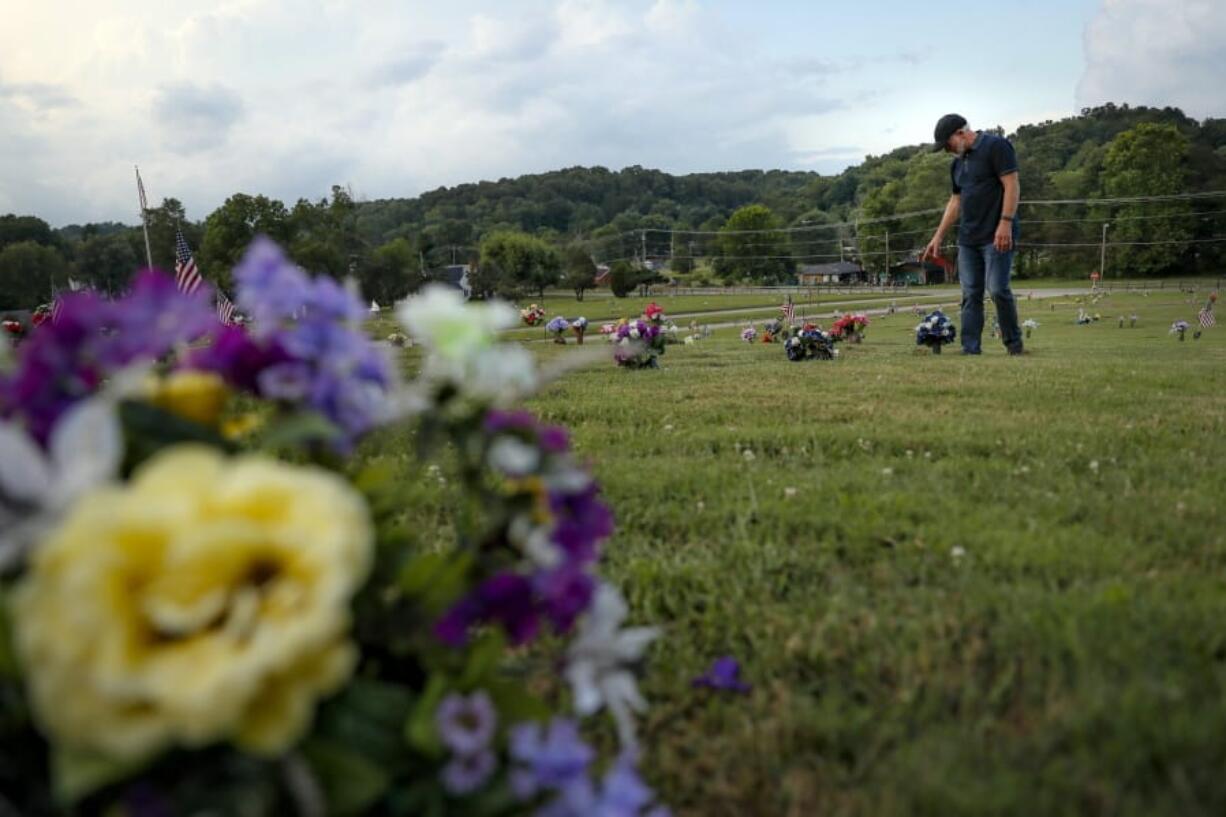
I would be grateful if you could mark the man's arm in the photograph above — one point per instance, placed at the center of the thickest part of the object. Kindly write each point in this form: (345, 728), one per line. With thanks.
(1008, 211)
(952, 208)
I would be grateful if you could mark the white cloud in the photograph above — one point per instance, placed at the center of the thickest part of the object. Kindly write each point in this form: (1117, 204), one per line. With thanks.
(1159, 53)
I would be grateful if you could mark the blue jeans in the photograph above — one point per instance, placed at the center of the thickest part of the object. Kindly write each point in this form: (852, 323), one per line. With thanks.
(977, 266)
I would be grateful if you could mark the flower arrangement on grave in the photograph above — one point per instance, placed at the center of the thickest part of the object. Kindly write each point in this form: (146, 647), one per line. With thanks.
(557, 327)
(653, 313)
(773, 330)
(579, 327)
(195, 622)
(14, 331)
(1029, 325)
(1179, 328)
(42, 314)
(850, 327)
(638, 345)
(398, 339)
(532, 315)
(749, 334)
(810, 343)
(608, 329)
(935, 331)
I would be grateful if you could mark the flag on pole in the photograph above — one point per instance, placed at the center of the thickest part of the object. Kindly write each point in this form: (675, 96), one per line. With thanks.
(56, 306)
(187, 277)
(225, 308)
(140, 190)
(789, 312)
(1205, 316)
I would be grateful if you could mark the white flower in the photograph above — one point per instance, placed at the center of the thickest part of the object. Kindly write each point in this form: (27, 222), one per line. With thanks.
(789, 492)
(598, 659)
(957, 552)
(634, 333)
(749, 455)
(453, 329)
(36, 488)
(513, 457)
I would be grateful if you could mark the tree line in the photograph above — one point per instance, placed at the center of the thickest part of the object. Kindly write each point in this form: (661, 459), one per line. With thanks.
(520, 236)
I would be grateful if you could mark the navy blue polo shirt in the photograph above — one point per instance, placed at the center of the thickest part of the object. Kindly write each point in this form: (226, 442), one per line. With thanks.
(975, 176)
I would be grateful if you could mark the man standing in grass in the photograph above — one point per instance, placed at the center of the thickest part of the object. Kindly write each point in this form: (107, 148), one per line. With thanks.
(985, 193)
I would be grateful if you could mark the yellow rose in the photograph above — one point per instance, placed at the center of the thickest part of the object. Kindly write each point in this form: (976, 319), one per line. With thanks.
(197, 396)
(206, 600)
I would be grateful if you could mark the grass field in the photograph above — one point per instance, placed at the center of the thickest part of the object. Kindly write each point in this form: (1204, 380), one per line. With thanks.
(960, 586)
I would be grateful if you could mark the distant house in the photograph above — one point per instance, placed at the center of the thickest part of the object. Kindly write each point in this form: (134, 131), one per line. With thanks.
(914, 271)
(456, 275)
(602, 274)
(838, 272)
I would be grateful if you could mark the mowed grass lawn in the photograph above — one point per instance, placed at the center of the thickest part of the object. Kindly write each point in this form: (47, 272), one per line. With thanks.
(958, 585)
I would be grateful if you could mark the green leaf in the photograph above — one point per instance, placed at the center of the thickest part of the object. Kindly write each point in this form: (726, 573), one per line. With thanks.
(514, 702)
(483, 659)
(300, 428)
(368, 717)
(420, 730)
(437, 580)
(8, 655)
(148, 429)
(77, 774)
(350, 782)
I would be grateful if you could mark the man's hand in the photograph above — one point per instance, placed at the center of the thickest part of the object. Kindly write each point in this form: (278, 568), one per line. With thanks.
(933, 250)
(1004, 237)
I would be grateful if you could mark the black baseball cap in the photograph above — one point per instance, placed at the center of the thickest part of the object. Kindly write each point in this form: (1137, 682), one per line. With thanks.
(947, 126)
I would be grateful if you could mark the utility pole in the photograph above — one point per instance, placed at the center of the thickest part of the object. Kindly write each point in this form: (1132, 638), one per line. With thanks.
(1102, 257)
(840, 243)
(643, 235)
(885, 267)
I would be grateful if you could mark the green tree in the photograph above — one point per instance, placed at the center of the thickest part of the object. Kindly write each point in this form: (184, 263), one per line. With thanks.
(230, 229)
(751, 246)
(623, 278)
(580, 272)
(107, 262)
(485, 280)
(14, 229)
(395, 270)
(162, 222)
(28, 273)
(527, 262)
(1148, 160)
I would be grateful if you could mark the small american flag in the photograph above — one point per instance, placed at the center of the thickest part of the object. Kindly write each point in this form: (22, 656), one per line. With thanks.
(225, 308)
(56, 306)
(1205, 316)
(789, 312)
(187, 277)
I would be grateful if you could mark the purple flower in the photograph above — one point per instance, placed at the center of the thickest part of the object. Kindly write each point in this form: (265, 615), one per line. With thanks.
(566, 592)
(327, 364)
(238, 357)
(93, 338)
(467, 773)
(622, 793)
(497, 421)
(506, 598)
(548, 758)
(724, 675)
(466, 724)
(554, 439)
(582, 520)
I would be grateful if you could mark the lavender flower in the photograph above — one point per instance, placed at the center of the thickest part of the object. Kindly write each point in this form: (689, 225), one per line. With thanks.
(547, 758)
(464, 774)
(306, 335)
(724, 675)
(466, 724)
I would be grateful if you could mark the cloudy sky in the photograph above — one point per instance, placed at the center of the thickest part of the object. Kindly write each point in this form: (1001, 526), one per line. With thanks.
(395, 97)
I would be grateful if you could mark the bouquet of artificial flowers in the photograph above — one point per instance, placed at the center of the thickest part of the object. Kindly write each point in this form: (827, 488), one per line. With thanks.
(212, 604)
(14, 331)
(557, 327)
(748, 334)
(935, 331)
(532, 315)
(1179, 328)
(653, 313)
(638, 344)
(579, 327)
(772, 330)
(1030, 324)
(850, 327)
(810, 343)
